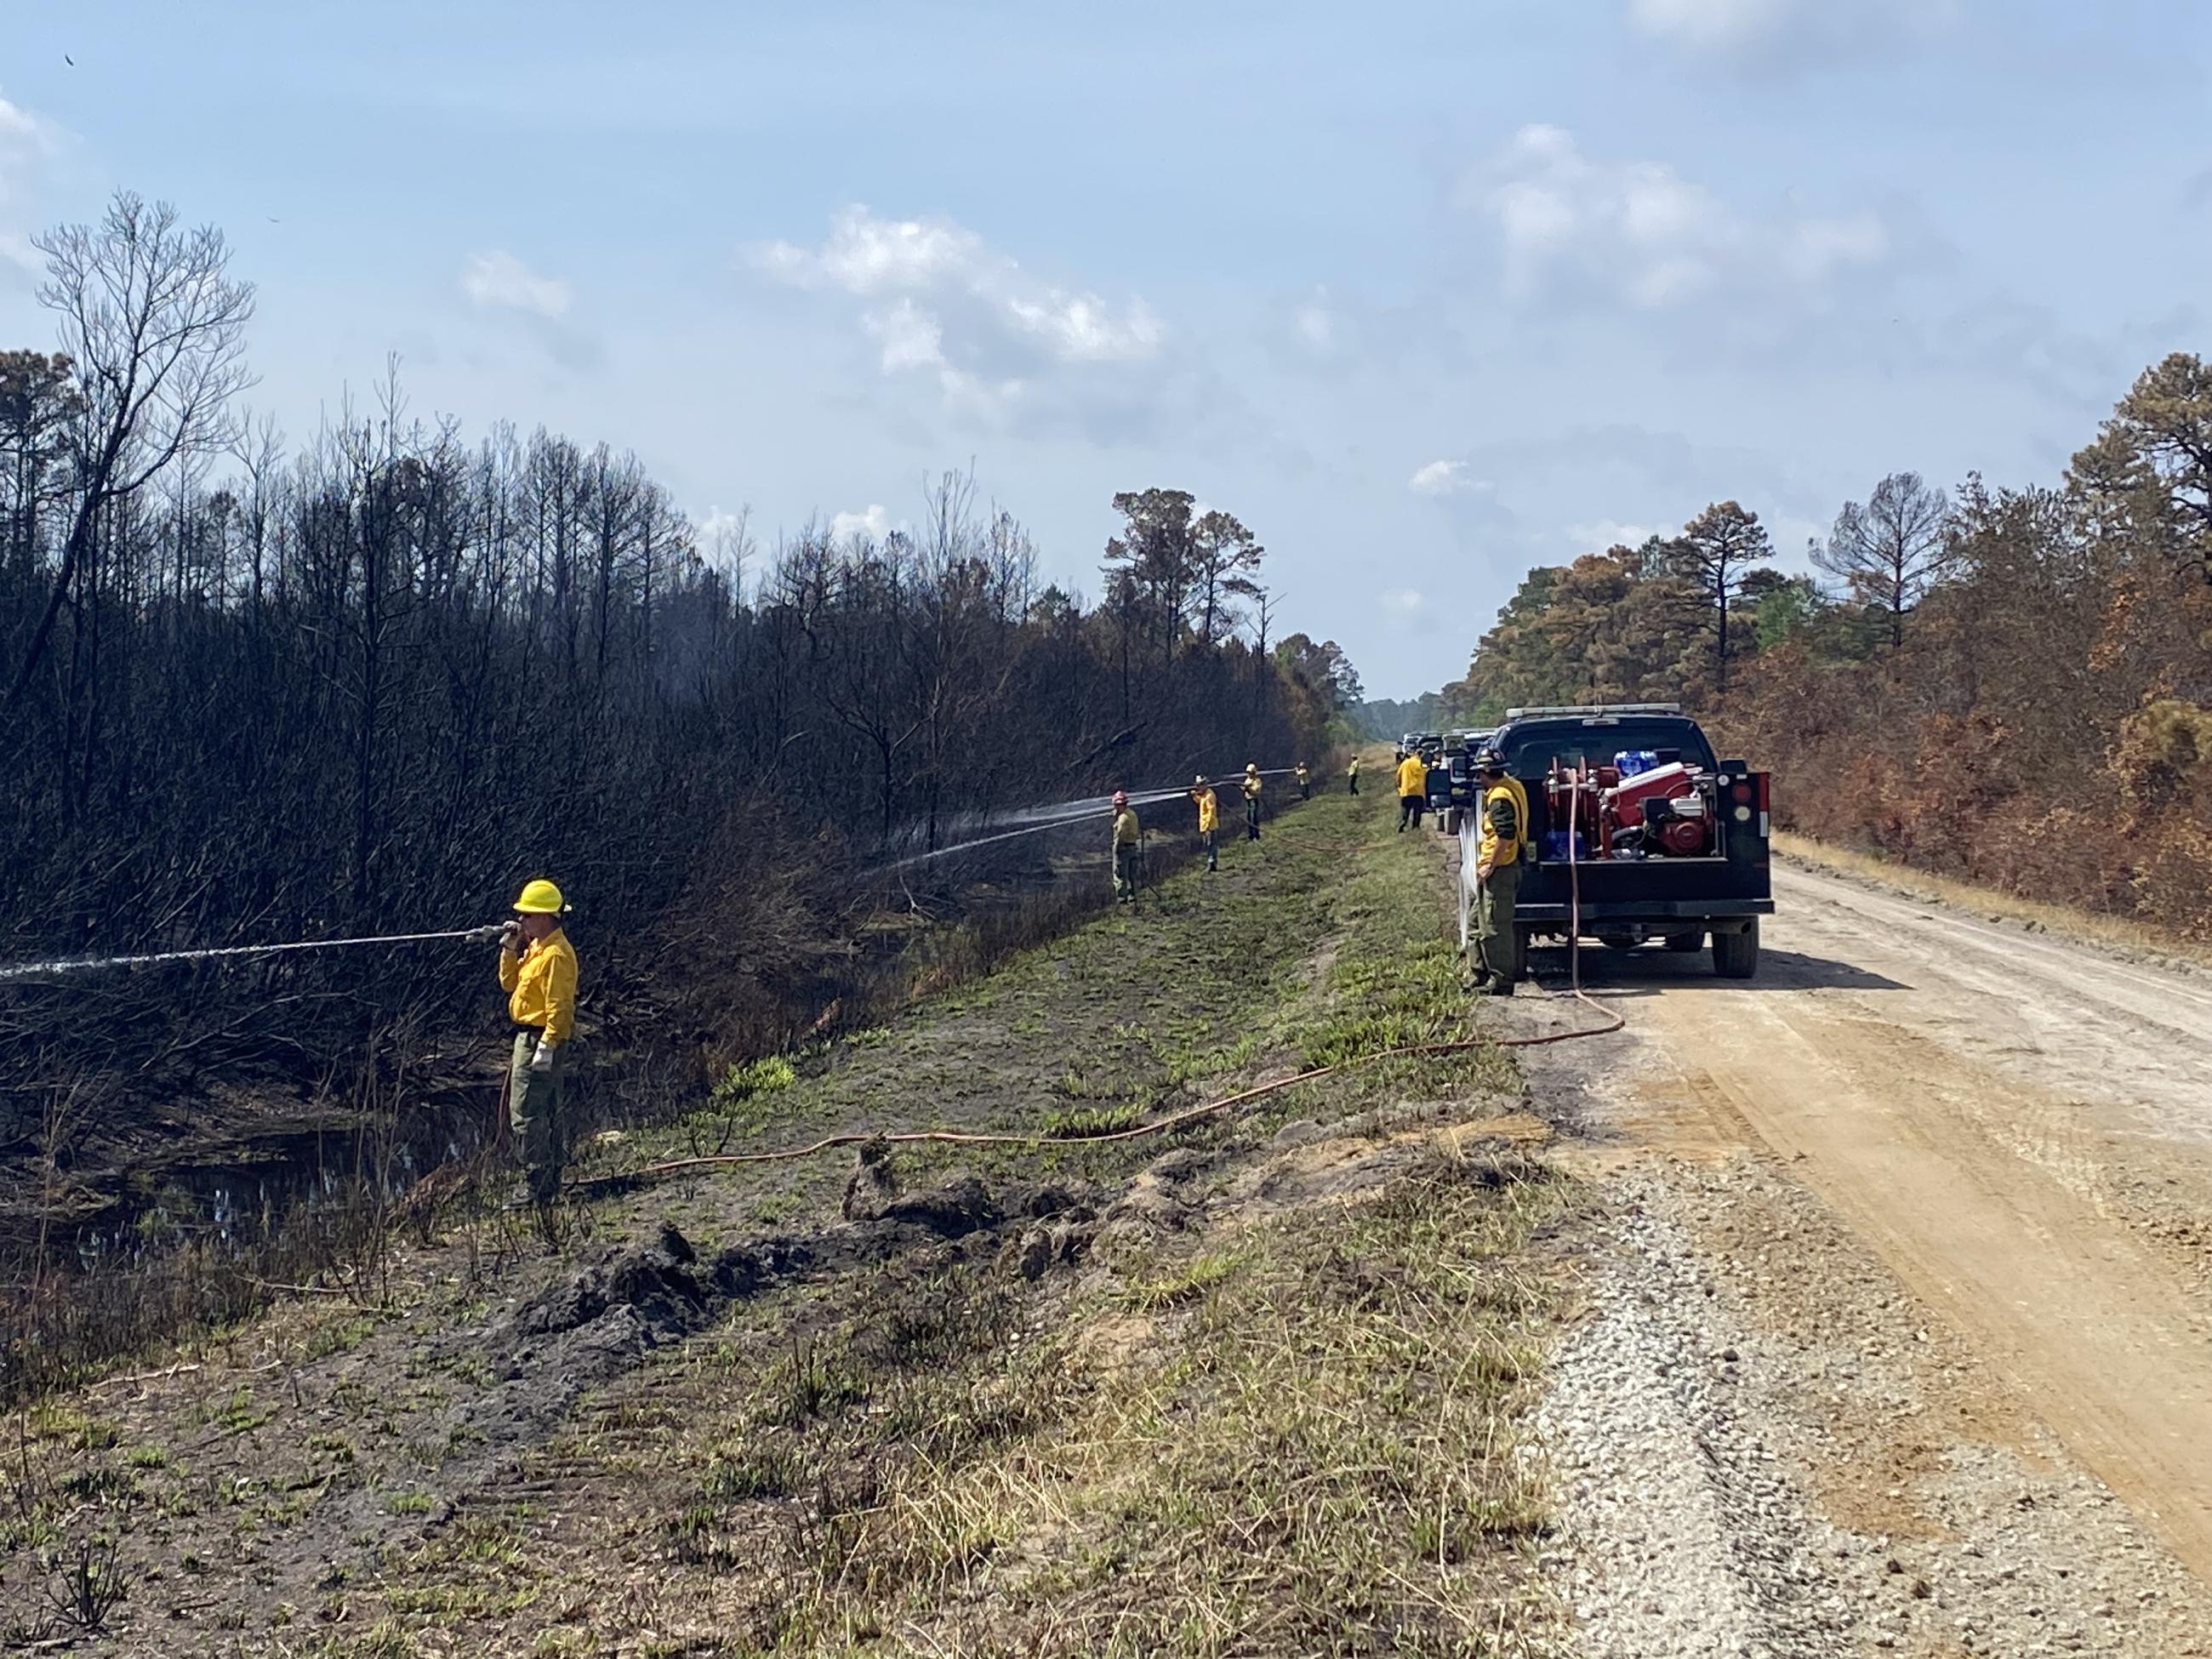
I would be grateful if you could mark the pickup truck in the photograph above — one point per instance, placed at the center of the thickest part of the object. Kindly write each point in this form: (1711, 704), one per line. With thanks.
(1455, 791)
(1670, 842)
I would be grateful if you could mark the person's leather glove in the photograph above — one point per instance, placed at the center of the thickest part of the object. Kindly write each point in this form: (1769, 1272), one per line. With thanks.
(543, 1060)
(510, 937)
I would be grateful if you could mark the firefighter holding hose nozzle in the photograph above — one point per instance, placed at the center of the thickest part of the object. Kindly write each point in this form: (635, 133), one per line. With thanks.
(1251, 786)
(1497, 866)
(538, 971)
(1128, 848)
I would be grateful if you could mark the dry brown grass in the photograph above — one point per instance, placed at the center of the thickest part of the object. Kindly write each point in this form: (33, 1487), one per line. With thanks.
(1276, 1414)
(2117, 932)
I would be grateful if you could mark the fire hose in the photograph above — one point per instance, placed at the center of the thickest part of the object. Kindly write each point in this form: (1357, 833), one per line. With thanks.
(1054, 820)
(149, 959)
(1161, 1125)
(1613, 1022)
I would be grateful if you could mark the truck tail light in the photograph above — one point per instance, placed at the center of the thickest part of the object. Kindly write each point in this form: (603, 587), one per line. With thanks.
(1765, 817)
(1742, 792)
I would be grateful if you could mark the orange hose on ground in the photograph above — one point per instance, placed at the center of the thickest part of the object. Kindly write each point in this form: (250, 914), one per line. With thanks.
(1208, 1109)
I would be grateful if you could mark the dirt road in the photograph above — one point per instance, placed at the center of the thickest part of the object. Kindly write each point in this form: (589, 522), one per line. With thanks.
(1953, 1180)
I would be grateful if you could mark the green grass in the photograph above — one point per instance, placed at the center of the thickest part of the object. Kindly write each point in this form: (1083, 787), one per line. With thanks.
(1289, 1427)
(743, 1083)
(1084, 1124)
(1291, 1432)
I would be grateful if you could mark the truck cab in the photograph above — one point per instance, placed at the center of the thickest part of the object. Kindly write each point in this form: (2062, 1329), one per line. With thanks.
(1638, 832)
(1455, 790)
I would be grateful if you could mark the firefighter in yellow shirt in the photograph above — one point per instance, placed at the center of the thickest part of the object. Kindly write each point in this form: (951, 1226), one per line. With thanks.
(1305, 783)
(1129, 849)
(1251, 786)
(1413, 790)
(1500, 856)
(1209, 821)
(538, 971)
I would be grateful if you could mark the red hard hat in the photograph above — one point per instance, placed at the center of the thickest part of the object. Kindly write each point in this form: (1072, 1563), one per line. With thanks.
(1120, 798)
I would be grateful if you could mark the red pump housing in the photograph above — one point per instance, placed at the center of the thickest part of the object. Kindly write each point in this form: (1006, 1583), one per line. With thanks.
(1635, 802)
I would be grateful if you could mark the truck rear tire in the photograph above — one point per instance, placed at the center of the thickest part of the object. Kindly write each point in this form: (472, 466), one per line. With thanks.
(1684, 944)
(1735, 956)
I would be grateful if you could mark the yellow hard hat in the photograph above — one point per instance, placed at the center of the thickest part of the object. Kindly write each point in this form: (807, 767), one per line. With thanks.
(539, 898)
(1251, 766)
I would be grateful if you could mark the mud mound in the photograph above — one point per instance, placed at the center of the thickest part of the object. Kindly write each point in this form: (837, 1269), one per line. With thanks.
(653, 1277)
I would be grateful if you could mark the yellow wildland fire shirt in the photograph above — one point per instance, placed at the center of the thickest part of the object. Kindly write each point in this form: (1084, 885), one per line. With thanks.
(1126, 832)
(1504, 822)
(1413, 776)
(541, 985)
(1209, 810)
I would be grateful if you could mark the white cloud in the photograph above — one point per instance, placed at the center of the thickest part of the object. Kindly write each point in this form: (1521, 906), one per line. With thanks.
(1446, 478)
(26, 143)
(723, 536)
(1637, 232)
(875, 525)
(911, 337)
(1603, 534)
(1725, 25)
(1772, 29)
(1817, 248)
(1314, 326)
(1404, 601)
(945, 301)
(501, 281)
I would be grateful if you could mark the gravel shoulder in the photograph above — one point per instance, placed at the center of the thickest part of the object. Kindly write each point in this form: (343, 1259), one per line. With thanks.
(1894, 1339)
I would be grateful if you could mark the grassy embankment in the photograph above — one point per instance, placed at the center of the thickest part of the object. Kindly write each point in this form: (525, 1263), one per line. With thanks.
(1255, 1389)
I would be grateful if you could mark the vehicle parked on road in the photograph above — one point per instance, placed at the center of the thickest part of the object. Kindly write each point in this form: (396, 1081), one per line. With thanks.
(1666, 842)
(1454, 792)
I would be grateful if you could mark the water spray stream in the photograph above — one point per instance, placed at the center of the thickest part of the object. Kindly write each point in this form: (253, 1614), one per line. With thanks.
(80, 965)
(1059, 815)
(1085, 809)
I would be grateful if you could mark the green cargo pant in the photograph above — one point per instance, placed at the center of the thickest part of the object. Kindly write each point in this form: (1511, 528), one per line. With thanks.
(533, 1112)
(1125, 857)
(1493, 930)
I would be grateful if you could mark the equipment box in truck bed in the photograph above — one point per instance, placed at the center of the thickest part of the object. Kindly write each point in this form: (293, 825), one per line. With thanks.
(1668, 842)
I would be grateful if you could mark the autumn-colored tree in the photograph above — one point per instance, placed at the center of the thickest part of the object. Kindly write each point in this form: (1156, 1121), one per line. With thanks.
(1715, 552)
(2149, 474)
(2042, 719)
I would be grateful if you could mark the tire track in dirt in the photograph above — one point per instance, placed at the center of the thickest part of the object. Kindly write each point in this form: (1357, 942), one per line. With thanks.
(2006, 1122)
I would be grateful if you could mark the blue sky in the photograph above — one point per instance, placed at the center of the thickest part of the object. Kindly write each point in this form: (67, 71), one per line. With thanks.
(1425, 293)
